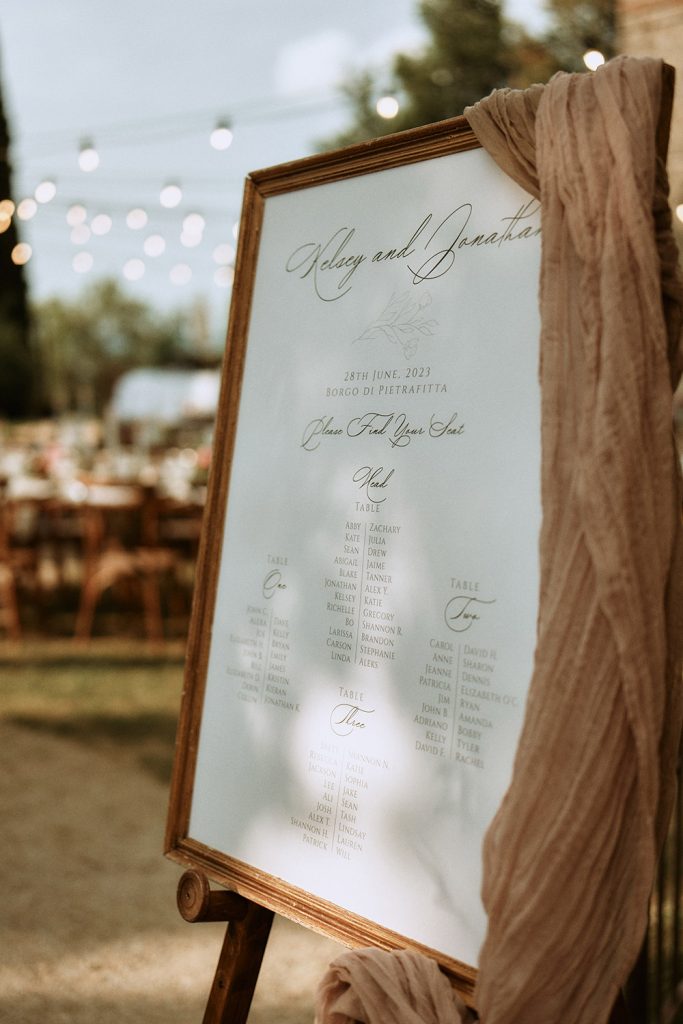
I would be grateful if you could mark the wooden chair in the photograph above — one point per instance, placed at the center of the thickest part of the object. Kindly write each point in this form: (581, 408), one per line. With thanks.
(9, 604)
(179, 524)
(21, 533)
(120, 544)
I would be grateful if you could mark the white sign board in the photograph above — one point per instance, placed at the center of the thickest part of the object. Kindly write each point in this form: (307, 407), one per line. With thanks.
(363, 655)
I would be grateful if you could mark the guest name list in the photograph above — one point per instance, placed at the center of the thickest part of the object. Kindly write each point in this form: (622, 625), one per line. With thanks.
(377, 596)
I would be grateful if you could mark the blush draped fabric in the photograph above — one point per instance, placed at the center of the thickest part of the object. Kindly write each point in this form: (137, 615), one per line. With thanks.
(570, 857)
(377, 987)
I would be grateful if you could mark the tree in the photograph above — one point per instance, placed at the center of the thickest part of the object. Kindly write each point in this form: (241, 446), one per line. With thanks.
(86, 345)
(468, 55)
(17, 390)
(580, 25)
(472, 49)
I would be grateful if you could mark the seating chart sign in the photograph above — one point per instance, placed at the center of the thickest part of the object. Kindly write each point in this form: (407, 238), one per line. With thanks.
(365, 624)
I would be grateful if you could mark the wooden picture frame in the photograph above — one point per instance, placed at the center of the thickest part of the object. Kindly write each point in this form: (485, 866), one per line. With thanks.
(400, 204)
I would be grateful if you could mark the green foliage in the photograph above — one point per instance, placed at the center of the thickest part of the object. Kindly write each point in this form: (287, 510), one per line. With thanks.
(580, 25)
(85, 345)
(17, 390)
(17, 379)
(471, 50)
(467, 57)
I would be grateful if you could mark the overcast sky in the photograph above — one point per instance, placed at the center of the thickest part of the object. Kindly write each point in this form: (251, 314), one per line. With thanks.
(147, 80)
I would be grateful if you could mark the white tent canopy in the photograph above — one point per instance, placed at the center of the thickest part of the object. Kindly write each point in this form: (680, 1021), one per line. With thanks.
(165, 396)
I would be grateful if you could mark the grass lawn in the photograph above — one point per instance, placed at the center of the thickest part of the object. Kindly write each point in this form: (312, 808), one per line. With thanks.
(126, 702)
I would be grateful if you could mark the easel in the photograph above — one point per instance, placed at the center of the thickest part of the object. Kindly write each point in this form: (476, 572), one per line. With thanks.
(245, 941)
(243, 947)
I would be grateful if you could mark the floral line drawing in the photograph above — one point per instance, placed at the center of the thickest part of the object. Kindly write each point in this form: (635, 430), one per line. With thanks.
(403, 323)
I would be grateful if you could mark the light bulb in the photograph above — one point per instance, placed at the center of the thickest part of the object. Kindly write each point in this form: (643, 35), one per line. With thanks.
(76, 214)
(224, 276)
(133, 270)
(101, 224)
(27, 209)
(154, 245)
(6, 211)
(387, 107)
(136, 219)
(82, 262)
(193, 224)
(21, 253)
(593, 59)
(223, 253)
(88, 157)
(221, 136)
(46, 191)
(170, 195)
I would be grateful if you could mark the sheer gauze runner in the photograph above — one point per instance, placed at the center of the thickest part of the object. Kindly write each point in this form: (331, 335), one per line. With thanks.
(570, 858)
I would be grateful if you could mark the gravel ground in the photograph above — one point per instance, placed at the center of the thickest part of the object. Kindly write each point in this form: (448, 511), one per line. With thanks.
(89, 929)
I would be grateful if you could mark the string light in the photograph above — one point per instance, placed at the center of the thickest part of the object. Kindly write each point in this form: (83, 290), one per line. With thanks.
(76, 214)
(21, 253)
(679, 212)
(593, 59)
(224, 253)
(80, 209)
(88, 157)
(26, 209)
(222, 136)
(83, 226)
(6, 210)
(224, 276)
(251, 110)
(136, 219)
(170, 195)
(387, 107)
(101, 224)
(193, 224)
(46, 191)
(193, 229)
(133, 270)
(154, 245)
(82, 262)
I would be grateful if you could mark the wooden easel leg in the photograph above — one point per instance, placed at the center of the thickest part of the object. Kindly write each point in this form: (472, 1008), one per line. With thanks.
(238, 968)
(243, 947)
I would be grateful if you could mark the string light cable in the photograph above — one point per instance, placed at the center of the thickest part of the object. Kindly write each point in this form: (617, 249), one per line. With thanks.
(96, 216)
